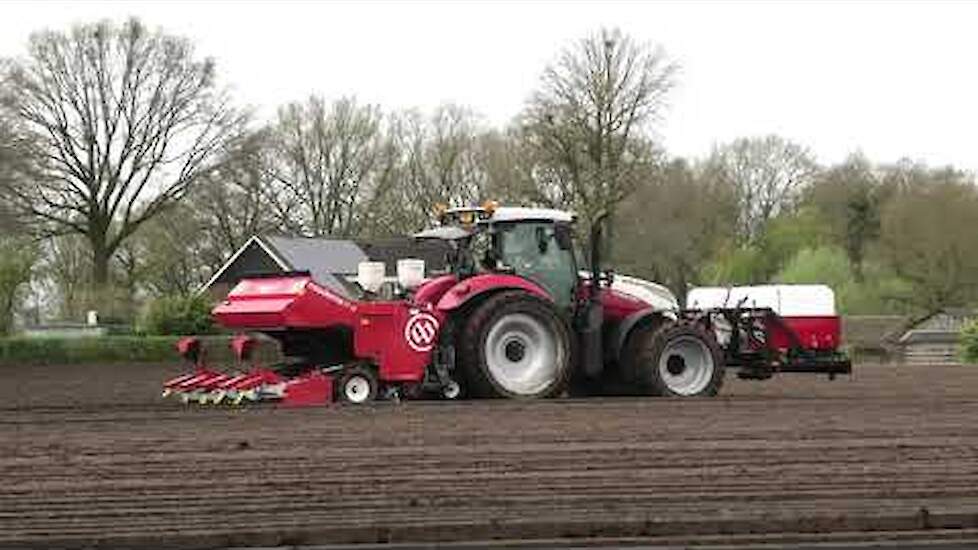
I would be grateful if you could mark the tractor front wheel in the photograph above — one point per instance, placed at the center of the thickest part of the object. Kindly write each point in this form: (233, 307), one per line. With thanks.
(515, 345)
(681, 360)
(358, 385)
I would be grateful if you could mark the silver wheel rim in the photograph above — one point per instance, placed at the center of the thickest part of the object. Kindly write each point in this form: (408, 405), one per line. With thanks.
(451, 390)
(357, 389)
(686, 366)
(522, 354)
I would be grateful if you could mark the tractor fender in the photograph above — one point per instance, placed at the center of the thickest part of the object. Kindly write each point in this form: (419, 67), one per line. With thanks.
(619, 337)
(467, 289)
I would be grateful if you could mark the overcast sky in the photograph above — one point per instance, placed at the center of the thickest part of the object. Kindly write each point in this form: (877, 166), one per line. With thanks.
(892, 79)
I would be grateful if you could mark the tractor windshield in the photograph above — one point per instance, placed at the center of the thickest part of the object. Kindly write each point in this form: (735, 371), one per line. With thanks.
(540, 251)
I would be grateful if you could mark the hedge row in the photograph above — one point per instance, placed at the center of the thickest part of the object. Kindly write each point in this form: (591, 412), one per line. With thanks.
(118, 349)
(107, 349)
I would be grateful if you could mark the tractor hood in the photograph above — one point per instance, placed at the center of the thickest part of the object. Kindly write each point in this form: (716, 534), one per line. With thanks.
(657, 296)
(654, 294)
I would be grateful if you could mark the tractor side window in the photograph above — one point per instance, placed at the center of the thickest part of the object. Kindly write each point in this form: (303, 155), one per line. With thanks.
(533, 251)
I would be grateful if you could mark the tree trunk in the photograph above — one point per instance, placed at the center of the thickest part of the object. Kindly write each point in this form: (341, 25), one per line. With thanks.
(101, 256)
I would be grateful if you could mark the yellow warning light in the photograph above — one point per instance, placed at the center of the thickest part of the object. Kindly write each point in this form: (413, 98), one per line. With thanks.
(467, 217)
(490, 206)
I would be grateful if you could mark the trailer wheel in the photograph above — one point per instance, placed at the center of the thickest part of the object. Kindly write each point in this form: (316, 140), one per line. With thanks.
(451, 390)
(358, 385)
(680, 360)
(515, 345)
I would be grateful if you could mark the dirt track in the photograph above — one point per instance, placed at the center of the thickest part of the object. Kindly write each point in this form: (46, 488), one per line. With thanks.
(91, 456)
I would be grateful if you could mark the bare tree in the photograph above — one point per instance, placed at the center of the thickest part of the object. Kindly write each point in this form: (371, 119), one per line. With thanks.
(170, 256)
(508, 167)
(323, 156)
(767, 175)
(426, 161)
(67, 271)
(590, 120)
(123, 121)
(232, 203)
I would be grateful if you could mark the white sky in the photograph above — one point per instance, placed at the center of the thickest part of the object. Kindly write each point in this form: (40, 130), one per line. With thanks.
(890, 78)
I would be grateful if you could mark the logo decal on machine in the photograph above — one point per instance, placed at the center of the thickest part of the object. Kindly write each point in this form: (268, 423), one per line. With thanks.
(420, 332)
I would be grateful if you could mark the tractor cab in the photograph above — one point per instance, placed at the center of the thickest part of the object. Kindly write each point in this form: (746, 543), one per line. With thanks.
(534, 243)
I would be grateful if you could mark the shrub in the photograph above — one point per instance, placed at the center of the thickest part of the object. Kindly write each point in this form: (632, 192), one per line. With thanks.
(969, 342)
(178, 315)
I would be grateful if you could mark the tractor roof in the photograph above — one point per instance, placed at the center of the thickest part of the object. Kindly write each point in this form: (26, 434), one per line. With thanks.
(520, 213)
(459, 223)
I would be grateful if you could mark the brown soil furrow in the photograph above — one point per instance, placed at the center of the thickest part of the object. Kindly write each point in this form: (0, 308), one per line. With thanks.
(82, 463)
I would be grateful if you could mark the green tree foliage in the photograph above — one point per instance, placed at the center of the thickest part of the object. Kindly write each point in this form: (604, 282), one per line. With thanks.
(783, 237)
(928, 238)
(17, 258)
(735, 265)
(827, 265)
(847, 200)
(969, 342)
(689, 218)
(877, 293)
(178, 315)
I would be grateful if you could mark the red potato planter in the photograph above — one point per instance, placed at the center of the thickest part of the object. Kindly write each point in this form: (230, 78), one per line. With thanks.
(514, 318)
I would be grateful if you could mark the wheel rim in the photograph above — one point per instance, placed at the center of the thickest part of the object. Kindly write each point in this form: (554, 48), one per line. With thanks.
(356, 389)
(451, 390)
(522, 355)
(686, 366)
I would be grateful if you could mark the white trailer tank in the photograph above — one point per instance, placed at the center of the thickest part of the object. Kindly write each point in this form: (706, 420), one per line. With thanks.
(785, 300)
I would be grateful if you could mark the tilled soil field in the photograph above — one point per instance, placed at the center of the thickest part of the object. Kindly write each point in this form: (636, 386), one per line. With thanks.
(89, 456)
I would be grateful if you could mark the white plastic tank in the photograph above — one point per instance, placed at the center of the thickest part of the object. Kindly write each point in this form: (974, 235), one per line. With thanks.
(785, 300)
(410, 272)
(370, 275)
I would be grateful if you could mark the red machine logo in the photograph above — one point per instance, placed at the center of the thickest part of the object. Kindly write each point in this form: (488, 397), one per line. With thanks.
(420, 332)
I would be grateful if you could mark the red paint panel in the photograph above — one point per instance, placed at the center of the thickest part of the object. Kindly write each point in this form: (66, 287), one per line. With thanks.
(466, 289)
(431, 291)
(380, 329)
(382, 335)
(283, 302)
(617, 305)
(817, 333)
(312, 389)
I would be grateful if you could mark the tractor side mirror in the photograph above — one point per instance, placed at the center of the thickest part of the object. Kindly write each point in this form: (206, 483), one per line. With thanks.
(543, 240)
(564, 237)
(597, 228)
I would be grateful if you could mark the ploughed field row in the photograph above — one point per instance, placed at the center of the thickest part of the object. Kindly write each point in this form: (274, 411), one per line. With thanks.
(893, 449)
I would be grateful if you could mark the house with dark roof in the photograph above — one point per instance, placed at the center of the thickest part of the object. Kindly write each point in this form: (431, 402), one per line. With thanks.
(330, 262)
(935, 340)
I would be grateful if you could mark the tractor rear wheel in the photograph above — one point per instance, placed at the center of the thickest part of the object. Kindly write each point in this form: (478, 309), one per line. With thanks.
(680, 360)
(515, 345)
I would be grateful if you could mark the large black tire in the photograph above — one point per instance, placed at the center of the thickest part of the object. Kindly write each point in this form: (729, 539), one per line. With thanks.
(676, 360)
(631, 378)
(515, 345)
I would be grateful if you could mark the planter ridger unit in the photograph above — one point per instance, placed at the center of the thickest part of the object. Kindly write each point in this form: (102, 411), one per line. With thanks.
(515, 317)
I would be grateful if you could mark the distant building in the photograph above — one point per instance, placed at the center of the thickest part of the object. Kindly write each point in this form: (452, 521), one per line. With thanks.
(934, 340)
(330, 262)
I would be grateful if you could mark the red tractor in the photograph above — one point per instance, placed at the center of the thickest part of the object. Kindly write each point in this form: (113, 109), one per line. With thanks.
(515, 317)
